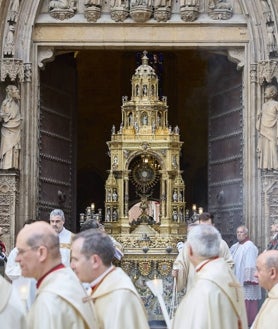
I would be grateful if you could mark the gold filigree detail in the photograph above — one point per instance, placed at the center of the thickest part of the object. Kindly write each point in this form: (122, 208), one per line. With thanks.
(145, 267)
(164, 268)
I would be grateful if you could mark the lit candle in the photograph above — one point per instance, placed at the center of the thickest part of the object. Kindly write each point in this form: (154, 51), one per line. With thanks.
(200, 210)
(194, 207)
(156, 283)
(92, 207)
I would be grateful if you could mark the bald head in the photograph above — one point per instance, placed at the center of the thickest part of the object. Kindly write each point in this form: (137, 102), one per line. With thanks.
(267, 269)
(40, 233)
(38, 249)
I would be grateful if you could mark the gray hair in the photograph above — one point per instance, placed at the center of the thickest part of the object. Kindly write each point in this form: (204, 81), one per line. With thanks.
(57, 212)
(205, 241)
(48, 239)
(273, 89)
(96, 242)
(245, 229)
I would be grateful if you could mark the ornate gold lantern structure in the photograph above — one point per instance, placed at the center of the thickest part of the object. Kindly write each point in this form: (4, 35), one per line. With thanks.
(145, 170)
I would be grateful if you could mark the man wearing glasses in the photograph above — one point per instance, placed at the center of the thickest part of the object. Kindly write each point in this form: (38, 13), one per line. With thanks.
(58, 302)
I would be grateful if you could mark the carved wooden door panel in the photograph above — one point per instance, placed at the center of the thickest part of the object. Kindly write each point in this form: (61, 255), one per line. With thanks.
(225, 177)
(57, 139)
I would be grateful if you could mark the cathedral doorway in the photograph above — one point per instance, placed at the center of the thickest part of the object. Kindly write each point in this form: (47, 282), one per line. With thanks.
(204, 97)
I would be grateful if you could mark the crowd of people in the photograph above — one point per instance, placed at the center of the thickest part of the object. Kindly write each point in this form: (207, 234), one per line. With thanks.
(70, 280)
(203, 277)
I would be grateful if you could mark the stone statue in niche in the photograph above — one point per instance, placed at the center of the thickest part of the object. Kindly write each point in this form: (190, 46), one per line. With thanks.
(271, 39)
(28, 72)
(266, 11)
(189, 10)
(220, 9)
(13, 11)
(59, 4)
(162, 10)
(92, 3)
(10, 129)
(92, 10)
(139, 2)
(9, 42)
(118, 3)
(267, 126)
(119, 10)
(14, 5)
(189, 3)
(219, 4)
(162, 3)
(141, 10)
(62, 9)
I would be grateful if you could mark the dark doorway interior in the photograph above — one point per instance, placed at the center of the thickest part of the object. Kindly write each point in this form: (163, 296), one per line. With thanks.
(81, 96)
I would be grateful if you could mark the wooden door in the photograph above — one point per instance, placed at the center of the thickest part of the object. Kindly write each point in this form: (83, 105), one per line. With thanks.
(225, 173)
(57, 139)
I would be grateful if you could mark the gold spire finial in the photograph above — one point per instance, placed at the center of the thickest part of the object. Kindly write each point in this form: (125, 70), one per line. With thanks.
(145, 59)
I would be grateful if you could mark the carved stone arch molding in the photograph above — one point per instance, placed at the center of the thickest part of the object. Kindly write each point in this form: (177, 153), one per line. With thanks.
(255, 12)
(35, 36)
(18, 204)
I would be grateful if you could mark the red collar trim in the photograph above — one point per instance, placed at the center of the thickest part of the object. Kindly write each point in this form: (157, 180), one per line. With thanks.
(2, 246)
(94, 288)
(57, 267)
(206, 262)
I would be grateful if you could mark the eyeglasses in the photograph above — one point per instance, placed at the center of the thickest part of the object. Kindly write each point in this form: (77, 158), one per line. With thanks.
(23, 251)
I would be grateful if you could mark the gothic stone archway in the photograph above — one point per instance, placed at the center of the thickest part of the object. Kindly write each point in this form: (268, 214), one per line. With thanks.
(33, 40)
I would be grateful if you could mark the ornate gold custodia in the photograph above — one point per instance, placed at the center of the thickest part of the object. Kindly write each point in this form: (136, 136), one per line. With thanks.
(144, 203)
